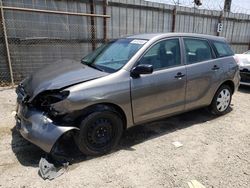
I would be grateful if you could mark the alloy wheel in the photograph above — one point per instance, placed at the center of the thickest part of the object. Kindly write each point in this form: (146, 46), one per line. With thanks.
(223, 100)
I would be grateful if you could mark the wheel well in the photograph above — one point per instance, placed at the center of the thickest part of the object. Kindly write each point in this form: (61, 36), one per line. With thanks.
(106, 106)
(230, 84)
(120, 112)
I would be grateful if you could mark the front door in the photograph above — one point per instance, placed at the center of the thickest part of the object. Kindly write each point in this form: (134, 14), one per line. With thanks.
(162, 92)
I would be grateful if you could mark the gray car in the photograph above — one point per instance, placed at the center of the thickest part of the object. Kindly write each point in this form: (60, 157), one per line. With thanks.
(123, 83)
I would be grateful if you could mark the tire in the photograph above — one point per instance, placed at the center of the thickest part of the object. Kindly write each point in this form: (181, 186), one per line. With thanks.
(221, 100)
(99, 133)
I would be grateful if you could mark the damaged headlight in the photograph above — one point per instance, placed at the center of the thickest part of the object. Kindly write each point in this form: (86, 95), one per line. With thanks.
(50, 98)
(47, 98)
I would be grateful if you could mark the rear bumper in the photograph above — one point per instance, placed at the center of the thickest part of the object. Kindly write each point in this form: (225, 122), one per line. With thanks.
(38, 128)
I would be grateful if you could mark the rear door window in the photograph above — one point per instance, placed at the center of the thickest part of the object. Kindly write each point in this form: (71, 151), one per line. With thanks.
(197, 50)
(222, 49)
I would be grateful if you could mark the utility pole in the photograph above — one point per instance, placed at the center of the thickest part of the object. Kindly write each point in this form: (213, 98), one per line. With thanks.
(227, 5)
(196, 3)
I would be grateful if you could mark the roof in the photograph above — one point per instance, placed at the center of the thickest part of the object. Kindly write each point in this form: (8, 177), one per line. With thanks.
(150, 36)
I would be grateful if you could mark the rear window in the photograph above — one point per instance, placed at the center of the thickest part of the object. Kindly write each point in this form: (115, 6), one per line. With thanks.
(222, 49)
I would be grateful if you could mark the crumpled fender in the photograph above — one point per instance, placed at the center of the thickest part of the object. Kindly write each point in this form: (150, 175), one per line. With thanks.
(39, 129)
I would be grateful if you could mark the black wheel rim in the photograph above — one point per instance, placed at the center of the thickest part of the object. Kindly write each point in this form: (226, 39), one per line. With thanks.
(100, 133)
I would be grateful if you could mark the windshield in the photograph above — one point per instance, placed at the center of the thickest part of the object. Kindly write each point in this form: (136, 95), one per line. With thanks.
(114, 55)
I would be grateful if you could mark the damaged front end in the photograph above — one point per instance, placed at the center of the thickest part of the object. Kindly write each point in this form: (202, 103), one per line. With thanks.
(37, 121)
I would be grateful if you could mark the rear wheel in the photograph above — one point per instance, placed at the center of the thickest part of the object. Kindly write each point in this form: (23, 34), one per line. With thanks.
(221, 100)
(99, 132)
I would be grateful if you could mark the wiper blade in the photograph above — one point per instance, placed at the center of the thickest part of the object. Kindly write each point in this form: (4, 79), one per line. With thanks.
(97, 68)
(91, 65)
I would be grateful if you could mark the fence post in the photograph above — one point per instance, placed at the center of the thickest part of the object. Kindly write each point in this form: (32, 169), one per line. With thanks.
(6, 43)
(93, 29)
(105, 21)
(174, 18)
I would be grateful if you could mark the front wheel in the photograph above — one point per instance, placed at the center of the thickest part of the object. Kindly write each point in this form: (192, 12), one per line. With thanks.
(99, 133)
(221, 100)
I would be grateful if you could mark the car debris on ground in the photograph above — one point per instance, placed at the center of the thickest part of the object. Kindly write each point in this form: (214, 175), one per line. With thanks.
(49, 171)
(195, 184)
(177, 144)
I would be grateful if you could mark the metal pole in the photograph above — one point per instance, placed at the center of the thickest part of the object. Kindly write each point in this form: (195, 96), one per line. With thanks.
(219, 21)
(227, 5)
(93, 29)
(194, 19)
(7, 44)
(105, 21)
(174, 19)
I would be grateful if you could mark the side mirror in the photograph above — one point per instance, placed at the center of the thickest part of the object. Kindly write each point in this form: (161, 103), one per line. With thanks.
(141, 69)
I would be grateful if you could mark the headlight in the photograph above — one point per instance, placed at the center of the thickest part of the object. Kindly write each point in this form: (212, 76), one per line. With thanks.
(50, 97)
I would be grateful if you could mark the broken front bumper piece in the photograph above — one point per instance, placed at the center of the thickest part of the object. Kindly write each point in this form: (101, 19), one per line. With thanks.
(39, 128)
(48, 170)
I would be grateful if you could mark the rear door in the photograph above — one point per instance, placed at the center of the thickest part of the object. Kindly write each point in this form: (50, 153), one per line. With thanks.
(203, 72)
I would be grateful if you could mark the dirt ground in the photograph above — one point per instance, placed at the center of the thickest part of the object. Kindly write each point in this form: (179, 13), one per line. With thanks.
(215, 152)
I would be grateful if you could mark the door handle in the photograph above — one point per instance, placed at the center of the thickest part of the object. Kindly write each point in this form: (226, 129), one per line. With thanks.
(215, 67)
(179, 75)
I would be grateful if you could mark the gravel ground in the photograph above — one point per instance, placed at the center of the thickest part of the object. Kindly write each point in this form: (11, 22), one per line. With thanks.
(215, 152)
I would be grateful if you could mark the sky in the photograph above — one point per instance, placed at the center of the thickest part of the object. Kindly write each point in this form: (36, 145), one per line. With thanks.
(238, 6)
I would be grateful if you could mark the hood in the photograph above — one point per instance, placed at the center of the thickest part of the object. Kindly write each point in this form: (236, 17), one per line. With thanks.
(244, 59)
(59, 75)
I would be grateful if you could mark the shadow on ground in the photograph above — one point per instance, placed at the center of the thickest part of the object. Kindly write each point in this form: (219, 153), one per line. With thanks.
(29, 155)
(26, 153)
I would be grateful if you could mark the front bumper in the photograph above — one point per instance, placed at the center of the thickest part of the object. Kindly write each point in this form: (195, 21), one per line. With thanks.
(38, 128)
(245, 77)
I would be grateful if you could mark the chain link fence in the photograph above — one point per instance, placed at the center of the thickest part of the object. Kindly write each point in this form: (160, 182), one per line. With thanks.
(4, 70)
(44, 32)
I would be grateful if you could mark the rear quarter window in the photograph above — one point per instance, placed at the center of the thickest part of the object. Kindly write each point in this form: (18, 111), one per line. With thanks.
(222, 49)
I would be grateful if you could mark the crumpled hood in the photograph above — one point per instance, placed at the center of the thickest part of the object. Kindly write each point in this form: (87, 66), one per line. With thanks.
(59, 75)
